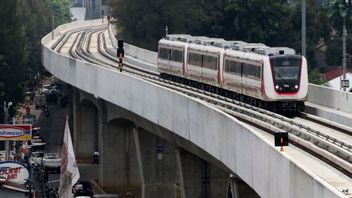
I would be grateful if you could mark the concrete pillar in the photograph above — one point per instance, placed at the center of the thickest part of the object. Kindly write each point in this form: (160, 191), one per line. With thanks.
(76, 117)
(139, 160)
(201, 179)
(233, 187)
(102, 113)
(159, 167)
(218, 182)
(87, 135)
(120, 170)
(192, 174)
(180, 181)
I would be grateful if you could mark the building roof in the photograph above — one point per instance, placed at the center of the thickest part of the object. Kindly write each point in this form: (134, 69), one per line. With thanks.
(334, 73)
(335, 83)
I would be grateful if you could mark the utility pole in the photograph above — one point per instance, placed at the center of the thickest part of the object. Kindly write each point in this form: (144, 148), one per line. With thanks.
(303, 27)
(344, 34)
(6, 121)
(52, 26)
(54, 9)
(343, 8)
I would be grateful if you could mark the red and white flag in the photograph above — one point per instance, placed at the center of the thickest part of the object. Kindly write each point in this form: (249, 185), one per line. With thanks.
(69, 170)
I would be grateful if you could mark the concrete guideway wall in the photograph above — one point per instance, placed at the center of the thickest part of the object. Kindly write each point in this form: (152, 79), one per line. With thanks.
(136, 52)
(329, 97)
(244, 151)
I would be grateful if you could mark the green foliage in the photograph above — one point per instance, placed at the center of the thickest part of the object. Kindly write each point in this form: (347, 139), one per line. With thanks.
(62, 15)
(315, 77)
(254, 21)
(144, 23)
(23, 24)
(272, 22)
(334, 52)
(337, 11)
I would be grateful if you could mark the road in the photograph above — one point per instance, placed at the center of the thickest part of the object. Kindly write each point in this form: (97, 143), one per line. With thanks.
(11, 194)
(52, 130)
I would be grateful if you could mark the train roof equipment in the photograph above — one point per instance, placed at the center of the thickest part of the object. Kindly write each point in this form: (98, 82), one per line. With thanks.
(258, 48)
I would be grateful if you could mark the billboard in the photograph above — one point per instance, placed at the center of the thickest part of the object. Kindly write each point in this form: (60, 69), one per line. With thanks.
(14, 172)
(19, 132)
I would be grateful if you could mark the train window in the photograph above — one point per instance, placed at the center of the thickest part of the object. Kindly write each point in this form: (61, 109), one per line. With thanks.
(286, 68)
(176, 55)
(233, 67)
(210, 62)
(195, 59)
(253, 71)
(164, 53)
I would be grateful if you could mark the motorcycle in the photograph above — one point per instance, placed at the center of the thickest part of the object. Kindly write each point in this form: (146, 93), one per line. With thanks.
(46, 111)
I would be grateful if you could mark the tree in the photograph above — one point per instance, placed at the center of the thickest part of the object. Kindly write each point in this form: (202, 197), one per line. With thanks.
(338, 9)
(23, 24)
(147, 23)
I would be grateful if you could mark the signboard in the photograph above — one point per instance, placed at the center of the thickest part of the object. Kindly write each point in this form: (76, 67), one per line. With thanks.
(14, 172)
(19, 132)
(281, 139)
(345, 83)
(29, 119)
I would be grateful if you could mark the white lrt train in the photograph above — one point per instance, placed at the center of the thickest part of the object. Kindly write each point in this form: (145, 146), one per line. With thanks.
(273, 78)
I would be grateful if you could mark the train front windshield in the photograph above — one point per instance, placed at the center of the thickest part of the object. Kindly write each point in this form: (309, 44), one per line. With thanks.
(286, 72)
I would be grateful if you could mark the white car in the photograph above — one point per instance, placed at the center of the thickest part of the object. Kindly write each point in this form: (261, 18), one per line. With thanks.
(52, 160)
(36, 158)
(45, 89)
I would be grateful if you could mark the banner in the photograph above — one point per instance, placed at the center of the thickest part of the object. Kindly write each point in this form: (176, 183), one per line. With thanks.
(69, 170)
(19, 132)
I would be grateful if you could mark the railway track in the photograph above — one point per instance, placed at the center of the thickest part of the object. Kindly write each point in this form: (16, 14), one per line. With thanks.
(335, 151)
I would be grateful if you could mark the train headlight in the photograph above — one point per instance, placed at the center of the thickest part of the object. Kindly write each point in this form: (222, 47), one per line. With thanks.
(296, 86)
(276, 87)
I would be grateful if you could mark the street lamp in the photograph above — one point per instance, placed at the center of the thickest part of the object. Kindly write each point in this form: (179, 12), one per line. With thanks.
(6, 121)
(55, 9)
(6, 111)
(341, 7)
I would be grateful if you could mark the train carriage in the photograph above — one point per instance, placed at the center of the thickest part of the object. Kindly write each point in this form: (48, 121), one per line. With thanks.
(171, 57)
(203, 64)
(270, 77)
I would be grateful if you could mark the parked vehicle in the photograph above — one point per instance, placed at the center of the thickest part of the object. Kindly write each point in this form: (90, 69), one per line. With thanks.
(36, 158)
(45, 89)
(82, 189)
(52, 161)
(36, 143)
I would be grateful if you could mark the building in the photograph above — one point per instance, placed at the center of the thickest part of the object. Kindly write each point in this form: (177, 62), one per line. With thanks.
(95, 9)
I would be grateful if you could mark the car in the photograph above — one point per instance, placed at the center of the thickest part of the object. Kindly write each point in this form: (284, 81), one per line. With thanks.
(46, 89)
(52, 161)
(82, 189)
(36, 158)
(36, 143)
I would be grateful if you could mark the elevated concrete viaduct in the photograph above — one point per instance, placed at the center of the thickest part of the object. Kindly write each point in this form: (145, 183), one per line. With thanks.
(141, 157)
(133, 122)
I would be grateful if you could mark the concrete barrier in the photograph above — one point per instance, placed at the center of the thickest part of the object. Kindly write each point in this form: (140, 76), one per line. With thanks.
(328, 97)
(241, 149)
